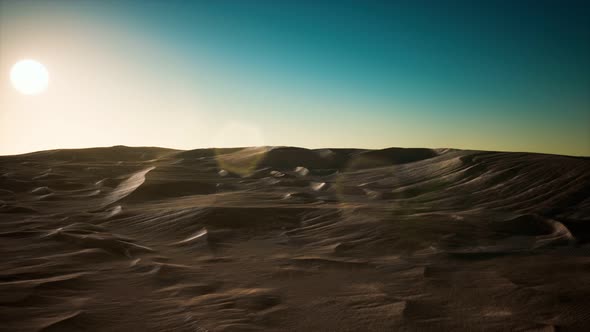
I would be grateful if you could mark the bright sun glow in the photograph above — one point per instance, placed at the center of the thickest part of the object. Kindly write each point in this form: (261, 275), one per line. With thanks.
(29, 77)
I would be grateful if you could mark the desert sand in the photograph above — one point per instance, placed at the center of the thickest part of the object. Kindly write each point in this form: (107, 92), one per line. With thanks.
(291, 239)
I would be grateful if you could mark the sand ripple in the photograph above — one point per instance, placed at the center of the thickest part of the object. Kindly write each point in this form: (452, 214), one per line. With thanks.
(292, 239)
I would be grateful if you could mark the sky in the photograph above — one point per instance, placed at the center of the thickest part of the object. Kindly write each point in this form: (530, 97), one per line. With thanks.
(486, 75)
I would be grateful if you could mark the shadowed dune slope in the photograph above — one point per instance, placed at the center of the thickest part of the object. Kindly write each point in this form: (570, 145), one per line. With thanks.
(293, 239)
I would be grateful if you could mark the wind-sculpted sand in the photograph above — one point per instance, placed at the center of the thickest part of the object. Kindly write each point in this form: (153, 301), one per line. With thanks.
(289, 239)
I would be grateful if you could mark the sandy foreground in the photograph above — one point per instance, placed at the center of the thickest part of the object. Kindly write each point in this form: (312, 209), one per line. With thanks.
(290, 239)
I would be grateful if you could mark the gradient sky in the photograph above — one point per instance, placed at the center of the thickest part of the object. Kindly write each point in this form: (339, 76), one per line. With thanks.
(493, 75)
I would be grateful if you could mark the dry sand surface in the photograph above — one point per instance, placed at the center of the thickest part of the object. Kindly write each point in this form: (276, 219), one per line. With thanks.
(289, 239)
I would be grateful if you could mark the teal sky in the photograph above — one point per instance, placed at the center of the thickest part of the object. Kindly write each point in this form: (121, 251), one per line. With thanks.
(493, 75)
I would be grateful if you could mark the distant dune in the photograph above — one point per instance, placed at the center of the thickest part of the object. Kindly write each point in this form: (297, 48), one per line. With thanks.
(293, 239)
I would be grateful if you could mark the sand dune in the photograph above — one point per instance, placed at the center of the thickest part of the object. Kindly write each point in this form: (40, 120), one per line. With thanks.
(293, 239)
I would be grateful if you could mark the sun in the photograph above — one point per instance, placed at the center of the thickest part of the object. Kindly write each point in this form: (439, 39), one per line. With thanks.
(29, 77)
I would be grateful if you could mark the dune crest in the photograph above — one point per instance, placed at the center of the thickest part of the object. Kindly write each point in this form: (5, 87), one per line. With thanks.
(127, 187)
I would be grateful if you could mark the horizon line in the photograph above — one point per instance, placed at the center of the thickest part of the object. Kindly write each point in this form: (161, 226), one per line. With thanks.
(289, 146)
